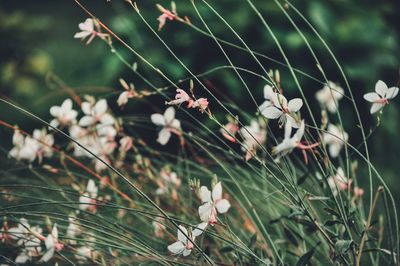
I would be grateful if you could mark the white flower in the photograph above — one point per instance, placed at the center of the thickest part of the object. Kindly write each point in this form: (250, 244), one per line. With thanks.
(276, 106)
(253, 136)
(381, 96)
(184, 246)
(52, 244)
(30, 148)
(180, 97)
(73, 230)
(168, 178)
(96, 113)
(129, 92)
(168, 123)
(329, 96)
(64, 114)
(88, 199)
(335, 138)
(338, 181)
(212, 203)
(289, 142)
(88, 29)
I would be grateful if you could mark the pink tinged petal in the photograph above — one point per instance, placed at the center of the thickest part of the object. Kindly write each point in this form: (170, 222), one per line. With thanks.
(86, 108)
(169, 115)
(176, 248)
(205, 194)
(223, 206)
(200, 228)
(381, 88)
(88, 25)
(376, 107)
(86, 121)
(100, 107)
(163, 136)
(107, 119)
(205, 211)
(294, 105)
(55, 111)
(49, 242)
(392, 92)
(186, 252)
(371, 97)
(217, 192)
(182, 233)
(271, 112)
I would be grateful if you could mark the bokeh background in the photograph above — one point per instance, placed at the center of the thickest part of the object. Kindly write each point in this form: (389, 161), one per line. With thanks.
(38, 56)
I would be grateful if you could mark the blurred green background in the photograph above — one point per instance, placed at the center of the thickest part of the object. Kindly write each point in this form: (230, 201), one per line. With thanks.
(37, 44)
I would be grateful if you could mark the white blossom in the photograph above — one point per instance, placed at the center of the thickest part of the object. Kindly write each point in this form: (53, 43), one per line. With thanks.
(381, 96)
(96, 113)
(213, 203)
(253, 137)
(63, 115)
(88, 199)
(52, 244)
(289, 142)
(335, 138)
(184, 244)
(338, 181)
(329, 96)
(168, 123)
(276, 106)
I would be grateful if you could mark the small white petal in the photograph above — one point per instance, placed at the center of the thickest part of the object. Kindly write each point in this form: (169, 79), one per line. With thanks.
(376, 107)
(217, 192)
(334, 149)
(205, 211)
(169, 115)
(200, 228)
(101, 107)
(182, 233)
(223, 206)
(205, 194)
(381, 88)
(86, 108)
(163, 136)
(371, 97)
(55, 111)
(268, 92)
(392, 92)
(176, 248)
(294, 105)
(107, 119)
(86, 121)
(271, 112)
(158, 119)
(186, 252)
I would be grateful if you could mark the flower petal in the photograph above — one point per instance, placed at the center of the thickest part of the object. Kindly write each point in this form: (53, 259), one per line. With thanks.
(182, 233)
(381, 88)
(376, 107)
(223, 206)
(186, 252)
(176, 248)
(205, 211)
(205, 194)
(271, 112)
(294, 105)
(163, 136)
(158, 119)
(86, 108)
(392, 92)
(268, 92)
(217, 192)
(86, 121)
(169, 115)
(200, 228)
(100, 107)
(371, 97)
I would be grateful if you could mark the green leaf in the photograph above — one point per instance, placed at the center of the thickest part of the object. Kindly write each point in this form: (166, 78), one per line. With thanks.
(305, 258)
(226, 249)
